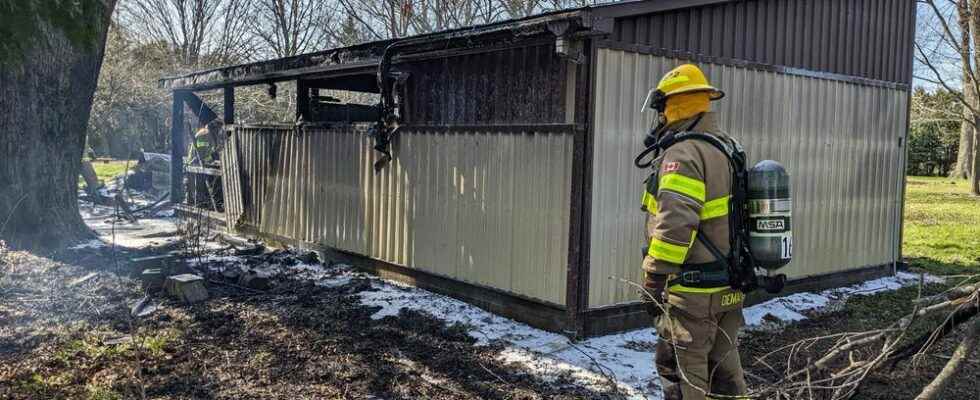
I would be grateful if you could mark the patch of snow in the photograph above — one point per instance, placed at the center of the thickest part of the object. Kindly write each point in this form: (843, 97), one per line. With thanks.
(544, 353)
(788, 308)
(88, 244)
(334, 276)
(791, 308)
(144, 232)
(626, 357)
(217, 261)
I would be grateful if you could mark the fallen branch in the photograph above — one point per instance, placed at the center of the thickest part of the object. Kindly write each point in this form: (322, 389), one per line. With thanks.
(951, 294)
(967, 346)
(923, 342)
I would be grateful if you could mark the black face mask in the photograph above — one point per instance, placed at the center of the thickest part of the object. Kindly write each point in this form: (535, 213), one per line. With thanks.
(654, 135)
(654, 142)
(657, 101)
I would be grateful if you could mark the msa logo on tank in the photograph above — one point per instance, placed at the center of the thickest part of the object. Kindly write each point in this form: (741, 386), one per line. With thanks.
(769, 225)
(770, 215)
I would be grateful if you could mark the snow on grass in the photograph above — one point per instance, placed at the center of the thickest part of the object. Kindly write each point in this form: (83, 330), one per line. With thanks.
(88, 244)
(544, 353)
(791, 308)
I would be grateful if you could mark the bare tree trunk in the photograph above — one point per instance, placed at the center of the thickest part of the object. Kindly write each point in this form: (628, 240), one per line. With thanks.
(46, 90)
(975, 168)
(974, 155)
(964, 158)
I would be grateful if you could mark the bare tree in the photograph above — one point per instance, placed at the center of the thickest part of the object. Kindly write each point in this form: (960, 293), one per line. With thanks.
(399, 18)
(381, 18)
(200, 32)
(290, 27)
(947, 57)
(521, 8)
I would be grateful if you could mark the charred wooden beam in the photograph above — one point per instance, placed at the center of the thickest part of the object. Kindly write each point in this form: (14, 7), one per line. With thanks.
(200, 109)
(303, 101)
(363, 58)
(229, 118)
(177, 147)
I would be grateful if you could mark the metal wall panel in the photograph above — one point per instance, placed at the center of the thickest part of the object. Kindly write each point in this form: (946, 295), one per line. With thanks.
(865, 38)
(233, 186)
(479, 205)
(838, 140)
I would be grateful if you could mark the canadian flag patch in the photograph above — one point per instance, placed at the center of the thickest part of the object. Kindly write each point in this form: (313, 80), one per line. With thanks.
(672, 166)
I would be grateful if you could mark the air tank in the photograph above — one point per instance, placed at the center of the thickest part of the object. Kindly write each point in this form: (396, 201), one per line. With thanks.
(770, 214)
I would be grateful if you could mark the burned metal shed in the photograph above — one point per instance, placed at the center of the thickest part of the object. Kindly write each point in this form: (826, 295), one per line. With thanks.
(510, 183)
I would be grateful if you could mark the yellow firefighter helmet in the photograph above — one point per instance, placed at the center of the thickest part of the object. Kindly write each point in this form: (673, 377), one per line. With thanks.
(685, 79)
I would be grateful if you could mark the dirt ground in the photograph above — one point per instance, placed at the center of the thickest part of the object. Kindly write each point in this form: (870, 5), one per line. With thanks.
(62, 337)
(904, 381)
(66, 333)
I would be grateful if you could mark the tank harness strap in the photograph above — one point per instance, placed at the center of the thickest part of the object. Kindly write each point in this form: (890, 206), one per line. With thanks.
(703, 276)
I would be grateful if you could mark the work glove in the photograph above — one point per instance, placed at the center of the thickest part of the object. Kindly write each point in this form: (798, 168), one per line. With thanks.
(655, 292)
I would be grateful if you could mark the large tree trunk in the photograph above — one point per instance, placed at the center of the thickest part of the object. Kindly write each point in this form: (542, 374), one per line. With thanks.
(47, 80)
(964, 157)
(974, 154)
(975, 171)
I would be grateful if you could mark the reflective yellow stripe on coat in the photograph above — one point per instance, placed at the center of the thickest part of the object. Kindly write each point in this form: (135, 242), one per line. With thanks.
(649, 202)
(681, 184)
(715, 208)
(684, 289)
(668, 252)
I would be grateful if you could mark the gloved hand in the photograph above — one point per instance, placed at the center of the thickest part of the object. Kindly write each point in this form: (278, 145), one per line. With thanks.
(655, 292)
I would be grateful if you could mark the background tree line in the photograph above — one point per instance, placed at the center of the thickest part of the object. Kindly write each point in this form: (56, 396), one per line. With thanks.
(946, 59)
(934, 135)
(149, 39)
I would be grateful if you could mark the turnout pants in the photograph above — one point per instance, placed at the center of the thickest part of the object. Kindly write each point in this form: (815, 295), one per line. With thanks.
(698, 348)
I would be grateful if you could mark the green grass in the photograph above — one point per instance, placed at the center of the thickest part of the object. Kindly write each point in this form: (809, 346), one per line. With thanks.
(942, 226)
(106, 170)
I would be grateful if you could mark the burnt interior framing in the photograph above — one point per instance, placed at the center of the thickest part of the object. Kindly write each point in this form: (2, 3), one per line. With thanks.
(576, 35)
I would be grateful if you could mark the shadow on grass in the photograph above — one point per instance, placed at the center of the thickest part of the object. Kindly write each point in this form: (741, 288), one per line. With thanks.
(937, 267)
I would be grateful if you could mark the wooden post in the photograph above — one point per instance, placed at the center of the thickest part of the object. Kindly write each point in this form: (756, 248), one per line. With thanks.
(229, 105)
(177, 148)
(302, 101)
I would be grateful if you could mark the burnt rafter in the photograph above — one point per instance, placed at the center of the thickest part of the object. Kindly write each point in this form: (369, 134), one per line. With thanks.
(366, 58)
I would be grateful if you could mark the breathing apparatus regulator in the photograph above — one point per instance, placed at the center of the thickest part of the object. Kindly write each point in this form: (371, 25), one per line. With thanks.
(759, 217)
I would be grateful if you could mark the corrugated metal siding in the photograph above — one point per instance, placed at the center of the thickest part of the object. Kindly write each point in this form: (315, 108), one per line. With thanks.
(838, 140)
(477, 205)
(517, 85)
(233, 185)
(866, 38)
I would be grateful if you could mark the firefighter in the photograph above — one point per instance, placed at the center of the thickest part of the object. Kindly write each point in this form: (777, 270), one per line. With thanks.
(203, 149)
(696, 312)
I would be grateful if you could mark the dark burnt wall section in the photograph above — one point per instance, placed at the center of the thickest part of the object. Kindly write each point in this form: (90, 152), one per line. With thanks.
(514, 85)
(865, 38)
